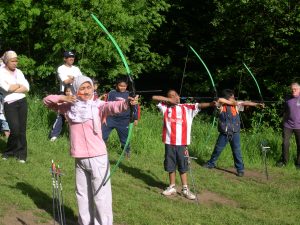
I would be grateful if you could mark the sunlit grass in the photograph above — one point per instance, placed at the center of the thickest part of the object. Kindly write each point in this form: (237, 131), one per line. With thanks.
(138, 183)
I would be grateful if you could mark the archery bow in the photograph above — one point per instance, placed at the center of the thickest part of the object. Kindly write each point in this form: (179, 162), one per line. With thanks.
(258, 88)
(210, 76)
(215, 92)
(132, 94)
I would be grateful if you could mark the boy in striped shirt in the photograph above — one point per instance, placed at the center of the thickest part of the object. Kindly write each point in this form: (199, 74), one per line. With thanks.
(176, 135)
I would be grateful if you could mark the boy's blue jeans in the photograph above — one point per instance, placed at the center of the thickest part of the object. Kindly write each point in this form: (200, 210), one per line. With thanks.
(121, 125)
(57, 126)
(235, 145)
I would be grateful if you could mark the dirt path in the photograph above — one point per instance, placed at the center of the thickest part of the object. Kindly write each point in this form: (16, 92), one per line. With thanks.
(17, 217)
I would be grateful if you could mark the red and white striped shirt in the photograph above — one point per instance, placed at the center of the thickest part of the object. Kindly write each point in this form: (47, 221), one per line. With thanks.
(178, 123)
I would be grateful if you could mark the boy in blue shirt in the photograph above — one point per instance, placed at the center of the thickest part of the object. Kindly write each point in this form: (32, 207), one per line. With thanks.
(229, 129)
(121, 121)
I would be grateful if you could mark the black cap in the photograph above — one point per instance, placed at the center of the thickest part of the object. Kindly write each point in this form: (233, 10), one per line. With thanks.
(69, 54)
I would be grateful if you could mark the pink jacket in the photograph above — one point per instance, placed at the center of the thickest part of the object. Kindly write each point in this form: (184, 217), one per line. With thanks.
(84, 142)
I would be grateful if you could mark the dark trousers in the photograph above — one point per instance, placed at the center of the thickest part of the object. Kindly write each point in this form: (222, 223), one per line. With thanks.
(235, 145)
(121, 126)
(57, 126)
(286, 135)
(16, 117)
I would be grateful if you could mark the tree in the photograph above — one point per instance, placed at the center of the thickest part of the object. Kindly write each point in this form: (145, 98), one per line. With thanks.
(262, 33)
(41, 30)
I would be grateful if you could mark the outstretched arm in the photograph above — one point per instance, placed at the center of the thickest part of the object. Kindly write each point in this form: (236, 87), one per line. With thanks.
(249, 103)
(242, 103)
(115, 107)
(227, 102)
(159, 98)
(59, 102)
(206, 104)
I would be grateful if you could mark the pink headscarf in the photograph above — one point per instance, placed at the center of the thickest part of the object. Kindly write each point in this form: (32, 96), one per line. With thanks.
(83, 111)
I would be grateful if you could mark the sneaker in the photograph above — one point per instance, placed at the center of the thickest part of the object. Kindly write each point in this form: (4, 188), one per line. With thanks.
(53, 138)
(4, 158)
(240, 174)
(169, 191)
(21, 161)
(188, 194)
(208, 166)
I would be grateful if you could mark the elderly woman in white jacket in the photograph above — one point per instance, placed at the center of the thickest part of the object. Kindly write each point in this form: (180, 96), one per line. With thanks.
(14, 85)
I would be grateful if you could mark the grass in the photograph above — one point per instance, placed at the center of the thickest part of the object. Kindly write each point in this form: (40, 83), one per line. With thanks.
(137, 184)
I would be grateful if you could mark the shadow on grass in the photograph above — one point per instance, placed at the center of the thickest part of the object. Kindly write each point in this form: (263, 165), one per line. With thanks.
(21, 221)
(3, 141)
(200, 161)
(225, 170)
(194, 153)
(43, 201)
(147, 176)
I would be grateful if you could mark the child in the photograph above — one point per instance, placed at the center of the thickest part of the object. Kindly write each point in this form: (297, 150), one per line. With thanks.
(176, 135)
(4, 125)
(121, 121)
(84, 116)
(102, 97)
(96, 85)
(229, 129)
(60, 119)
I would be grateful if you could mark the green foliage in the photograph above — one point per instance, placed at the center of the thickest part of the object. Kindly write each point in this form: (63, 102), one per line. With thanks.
(42, 30)
(262, 33)
(271, 116)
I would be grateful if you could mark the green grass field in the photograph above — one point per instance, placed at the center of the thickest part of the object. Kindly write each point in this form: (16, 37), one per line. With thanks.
(137, 185)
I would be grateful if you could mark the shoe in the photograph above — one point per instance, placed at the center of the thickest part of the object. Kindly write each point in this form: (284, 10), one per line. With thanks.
(169, 191)
(208, 166)
(188, 194)
(240, 174)
(4, 158)
(53, 138)
(280, 164)
(21, 161)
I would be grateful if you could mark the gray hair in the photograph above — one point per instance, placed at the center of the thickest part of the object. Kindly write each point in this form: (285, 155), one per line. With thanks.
(9, 55)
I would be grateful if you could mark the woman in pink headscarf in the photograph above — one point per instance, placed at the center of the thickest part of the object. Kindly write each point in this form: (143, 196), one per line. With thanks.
(84, 117)
(14, 86)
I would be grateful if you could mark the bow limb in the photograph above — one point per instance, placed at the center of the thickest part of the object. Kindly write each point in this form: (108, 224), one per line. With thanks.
(207, 70)
(114, 43)
(258, 88)
(215, 90)
(132, 93)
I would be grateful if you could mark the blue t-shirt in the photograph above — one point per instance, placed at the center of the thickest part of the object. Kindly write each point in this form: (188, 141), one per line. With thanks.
(115, 96)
